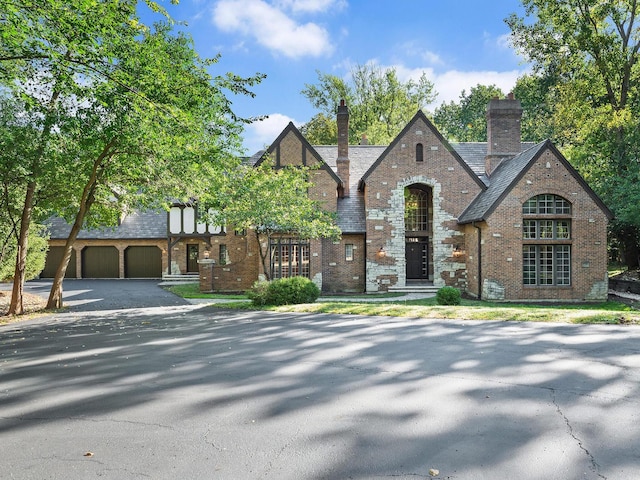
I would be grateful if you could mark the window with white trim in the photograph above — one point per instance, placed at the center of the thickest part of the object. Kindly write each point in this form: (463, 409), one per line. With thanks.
(348, 252)
(546, 234)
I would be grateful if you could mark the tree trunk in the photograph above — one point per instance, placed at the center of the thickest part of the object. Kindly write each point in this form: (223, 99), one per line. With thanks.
(263, 256)
(16, 306)
(87, 199)
(55, 295)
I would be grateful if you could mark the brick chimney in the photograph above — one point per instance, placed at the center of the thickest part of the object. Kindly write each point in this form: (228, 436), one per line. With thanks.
(342, 162)
(503, 131)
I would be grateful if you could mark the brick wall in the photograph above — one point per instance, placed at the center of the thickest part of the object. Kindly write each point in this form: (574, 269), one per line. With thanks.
(339, 274)
(243, 266)
(503, 239)
(120, 245)
(453, 188)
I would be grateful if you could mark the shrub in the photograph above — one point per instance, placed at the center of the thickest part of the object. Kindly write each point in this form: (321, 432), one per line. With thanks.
(284, 291)
(258, 292)
(448, 296)
(36, 254)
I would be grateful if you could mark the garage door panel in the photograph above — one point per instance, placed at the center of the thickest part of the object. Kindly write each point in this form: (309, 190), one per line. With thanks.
(143, 262)
(100, 262)
(54, 257)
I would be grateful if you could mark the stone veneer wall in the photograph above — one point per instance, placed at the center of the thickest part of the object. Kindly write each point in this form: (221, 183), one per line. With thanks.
(453, 188)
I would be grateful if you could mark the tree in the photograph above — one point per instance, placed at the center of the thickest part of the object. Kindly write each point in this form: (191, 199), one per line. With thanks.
(125, 114)
(321, 129)
(271, 203)
(591, 50)
(36, 254)
(466, 121)
(380, 104)
(536, 96)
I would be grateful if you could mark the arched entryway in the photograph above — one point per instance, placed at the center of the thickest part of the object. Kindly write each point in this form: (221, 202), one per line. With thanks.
(418, 223)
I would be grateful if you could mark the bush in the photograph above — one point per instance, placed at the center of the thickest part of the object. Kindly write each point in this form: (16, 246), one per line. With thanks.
(36, 254)
(448, 296)
(284, 291)
(258, 293)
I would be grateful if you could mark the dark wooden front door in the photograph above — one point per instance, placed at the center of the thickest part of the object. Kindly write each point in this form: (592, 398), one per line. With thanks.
(192, 258)
(417, 255)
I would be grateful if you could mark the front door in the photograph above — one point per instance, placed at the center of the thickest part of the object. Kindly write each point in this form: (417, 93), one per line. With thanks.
(192, 258)
(417, 256)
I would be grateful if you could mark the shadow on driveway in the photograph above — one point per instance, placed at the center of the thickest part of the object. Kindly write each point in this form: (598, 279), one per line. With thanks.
(81, 295)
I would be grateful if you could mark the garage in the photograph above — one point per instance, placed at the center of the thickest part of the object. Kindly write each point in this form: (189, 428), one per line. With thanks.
(54, 257)
(143, 262)
(100, 262)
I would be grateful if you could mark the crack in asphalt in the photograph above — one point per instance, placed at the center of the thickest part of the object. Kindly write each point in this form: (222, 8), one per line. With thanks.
(284, 447)
(594, 465)
(26, 418)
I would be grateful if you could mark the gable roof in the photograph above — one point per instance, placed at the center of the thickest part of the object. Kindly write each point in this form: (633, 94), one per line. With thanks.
(351, 217)
(137, 224)
(509, 173)
(421, 116)
(291, 128)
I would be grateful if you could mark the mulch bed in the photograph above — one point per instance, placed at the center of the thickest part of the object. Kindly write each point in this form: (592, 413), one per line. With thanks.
(31, 303)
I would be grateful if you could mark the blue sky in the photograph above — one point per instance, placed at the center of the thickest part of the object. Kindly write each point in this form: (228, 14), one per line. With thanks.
(458, 43)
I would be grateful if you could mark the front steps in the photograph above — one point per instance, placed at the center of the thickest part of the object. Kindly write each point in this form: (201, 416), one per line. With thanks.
(415, 288)
(174, 279)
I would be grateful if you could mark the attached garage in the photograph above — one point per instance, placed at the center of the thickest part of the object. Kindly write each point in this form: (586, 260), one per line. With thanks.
(143, 262)
(100, 262)
(54, 257)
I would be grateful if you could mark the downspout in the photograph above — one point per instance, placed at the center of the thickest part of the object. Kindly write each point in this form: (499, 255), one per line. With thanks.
(479, 260)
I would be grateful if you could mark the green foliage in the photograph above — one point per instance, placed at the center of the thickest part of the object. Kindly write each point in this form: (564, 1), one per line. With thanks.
(465, 121)
(270, 202)
(322, 129)
(448, 296)
(284, 291)
(36, 255)
(585, 56)
(258, 294)
(380, 104)
(122, 114)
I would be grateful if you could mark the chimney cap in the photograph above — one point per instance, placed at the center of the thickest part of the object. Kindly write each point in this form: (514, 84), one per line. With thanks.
(342, 102)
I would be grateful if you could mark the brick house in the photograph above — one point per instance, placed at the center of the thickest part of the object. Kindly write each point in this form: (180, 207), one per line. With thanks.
(500, 220)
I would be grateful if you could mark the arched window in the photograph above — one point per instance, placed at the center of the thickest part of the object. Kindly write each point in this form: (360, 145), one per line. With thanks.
(419, 152)
(416, 212)
(546, 235)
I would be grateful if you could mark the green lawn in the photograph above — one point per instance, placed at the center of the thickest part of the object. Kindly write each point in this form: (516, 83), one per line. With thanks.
(192, 290)
(607, 312)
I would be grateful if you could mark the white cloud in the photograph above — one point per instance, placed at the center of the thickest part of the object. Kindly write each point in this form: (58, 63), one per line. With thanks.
(272, 28)
(505, 42)
(449, 84)
(263, 133)
(311, 6)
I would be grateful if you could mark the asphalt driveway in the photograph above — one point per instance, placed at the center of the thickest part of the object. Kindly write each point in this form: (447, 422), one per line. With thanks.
(184, 391)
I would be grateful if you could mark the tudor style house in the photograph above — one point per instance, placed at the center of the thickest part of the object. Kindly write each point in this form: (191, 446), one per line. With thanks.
(501, 220)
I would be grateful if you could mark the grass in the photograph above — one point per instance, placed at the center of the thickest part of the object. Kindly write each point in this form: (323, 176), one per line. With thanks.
(606, 312)
(192, 290)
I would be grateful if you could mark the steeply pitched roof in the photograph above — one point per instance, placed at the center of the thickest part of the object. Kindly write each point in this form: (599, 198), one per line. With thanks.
(507, 175)
(421, 116)
(351, 214)
(260, 157)
(136, 225)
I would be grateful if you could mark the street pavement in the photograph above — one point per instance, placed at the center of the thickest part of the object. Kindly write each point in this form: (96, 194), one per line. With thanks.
(164, 389)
